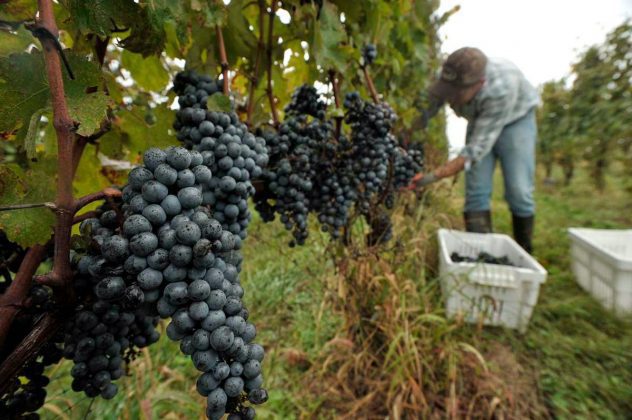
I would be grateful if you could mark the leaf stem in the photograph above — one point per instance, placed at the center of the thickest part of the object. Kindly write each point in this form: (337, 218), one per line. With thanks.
(273, 108)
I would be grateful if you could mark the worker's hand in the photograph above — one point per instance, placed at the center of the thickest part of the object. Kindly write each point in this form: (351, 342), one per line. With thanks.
(421, 180)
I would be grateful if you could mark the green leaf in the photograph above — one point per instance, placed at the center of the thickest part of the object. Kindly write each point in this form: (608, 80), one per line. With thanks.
(24, 90)
(27, 227)
(328, 36)
(148, 72)
(99, 16)
(139, 136)
(14, 42)
(18, 10)
(219, 102)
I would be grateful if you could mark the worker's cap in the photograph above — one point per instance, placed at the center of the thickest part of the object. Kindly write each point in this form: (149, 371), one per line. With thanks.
(462, 69)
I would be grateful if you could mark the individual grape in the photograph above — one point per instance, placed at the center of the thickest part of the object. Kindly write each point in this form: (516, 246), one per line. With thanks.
(180, 255)
(188, 233)
(186, 178)
(159, 259)
(198, 311)
(115, 249)
(110, 288)
(199, 290)
(166, 174)
(154, 191)
(154, 157)
(155, 214)
(139, 176)
(190, 197)
(222, 338)
(178, 157)
(136, 224)
(149, 279)
(143, 244)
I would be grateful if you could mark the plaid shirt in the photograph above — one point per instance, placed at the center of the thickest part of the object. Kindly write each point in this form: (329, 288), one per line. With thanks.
(505, 97)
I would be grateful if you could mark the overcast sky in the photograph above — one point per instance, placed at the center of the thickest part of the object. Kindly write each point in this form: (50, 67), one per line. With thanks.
(542, 37)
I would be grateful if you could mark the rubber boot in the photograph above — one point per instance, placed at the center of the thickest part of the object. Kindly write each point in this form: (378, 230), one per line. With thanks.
(523, 231)
(478, 221)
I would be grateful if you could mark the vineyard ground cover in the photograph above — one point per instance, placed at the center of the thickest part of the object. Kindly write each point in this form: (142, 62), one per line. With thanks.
(580, 352)
(572, 362)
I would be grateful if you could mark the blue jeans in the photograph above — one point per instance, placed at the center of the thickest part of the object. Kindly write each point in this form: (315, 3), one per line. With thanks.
(515, 149)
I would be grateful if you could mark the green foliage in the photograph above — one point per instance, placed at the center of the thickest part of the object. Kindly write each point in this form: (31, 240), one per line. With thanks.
(148, 72)
(24, 92)
(590, 119)
(17, 186)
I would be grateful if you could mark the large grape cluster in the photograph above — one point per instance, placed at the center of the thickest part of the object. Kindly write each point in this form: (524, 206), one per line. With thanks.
(305, 172)
(110, 325)
(313, 169)
(374, 148)
(184, 257)
(232, 154)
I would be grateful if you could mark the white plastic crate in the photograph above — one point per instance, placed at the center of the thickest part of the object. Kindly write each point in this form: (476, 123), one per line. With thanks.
(602, 263)
(496, 294)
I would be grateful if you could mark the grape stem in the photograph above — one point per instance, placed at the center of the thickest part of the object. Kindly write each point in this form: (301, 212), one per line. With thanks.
(107, 193)
(336, 88)
(16, 293)
(222, 57)
(28, 206)
(371, 86)
(273, 108)
(41, 333)
(84, 216)
(254, 79)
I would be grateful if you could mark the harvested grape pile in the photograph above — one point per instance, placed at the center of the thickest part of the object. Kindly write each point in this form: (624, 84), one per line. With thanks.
(483, 257)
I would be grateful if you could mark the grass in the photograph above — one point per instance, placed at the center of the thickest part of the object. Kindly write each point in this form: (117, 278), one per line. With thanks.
(372, 335)
(580, 353)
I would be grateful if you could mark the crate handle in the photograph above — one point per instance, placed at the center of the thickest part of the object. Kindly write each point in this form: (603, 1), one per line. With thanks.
(486, 277)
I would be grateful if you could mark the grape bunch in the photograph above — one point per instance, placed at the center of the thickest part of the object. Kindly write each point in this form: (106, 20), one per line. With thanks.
(313, 170)
(26, 396)
(233, 155)
(374, 148)
(110, 325)
(369, 54)
(189, 263)
(408, 162)
(300, 177)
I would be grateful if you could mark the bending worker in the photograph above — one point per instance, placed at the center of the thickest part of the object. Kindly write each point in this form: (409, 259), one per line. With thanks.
(499, 104)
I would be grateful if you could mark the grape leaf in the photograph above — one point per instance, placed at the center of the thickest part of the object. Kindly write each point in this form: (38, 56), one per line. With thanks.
(139, 136)
(218, 102)
(13, 42)
(100, 16)
(17, 10)
(27, 227)
(328, 37)
(24, 90)
(148, 72)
